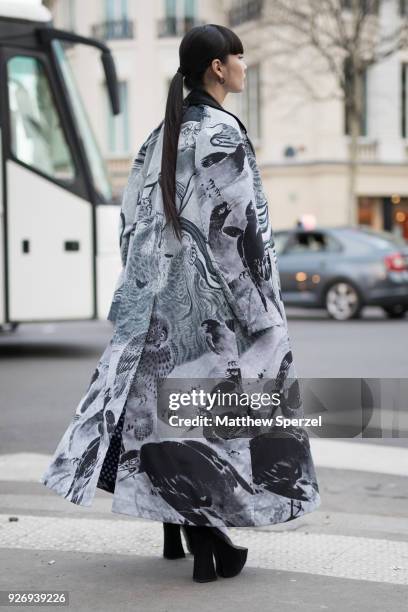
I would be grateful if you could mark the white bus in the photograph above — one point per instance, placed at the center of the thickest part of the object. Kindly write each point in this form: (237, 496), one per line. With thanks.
(59, 255)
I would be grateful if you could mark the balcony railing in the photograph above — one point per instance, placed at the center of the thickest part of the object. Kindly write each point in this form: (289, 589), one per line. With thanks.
(245, 11)
(176, 26)
(109, 30)
(367, 149)
(118, 168)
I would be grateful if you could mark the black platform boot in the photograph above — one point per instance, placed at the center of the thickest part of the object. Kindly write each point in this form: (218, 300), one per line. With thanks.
(173, 546)
(202, 538)
(229, 558)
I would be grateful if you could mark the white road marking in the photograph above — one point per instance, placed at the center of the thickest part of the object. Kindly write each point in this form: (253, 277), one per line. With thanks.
(356, 558)
(279, 547)
(365, 457)
(23, 467)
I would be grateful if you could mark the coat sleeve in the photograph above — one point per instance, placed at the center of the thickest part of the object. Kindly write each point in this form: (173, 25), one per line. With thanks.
(128, 208)
(126, 224)
(235, 243)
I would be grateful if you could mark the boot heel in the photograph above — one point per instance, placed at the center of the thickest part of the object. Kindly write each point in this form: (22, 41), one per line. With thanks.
(173, 546)
(189, 543)
(229, 559)
(203, 569)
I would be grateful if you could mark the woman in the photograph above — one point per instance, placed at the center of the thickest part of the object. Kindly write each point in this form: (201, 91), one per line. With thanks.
(198, 304)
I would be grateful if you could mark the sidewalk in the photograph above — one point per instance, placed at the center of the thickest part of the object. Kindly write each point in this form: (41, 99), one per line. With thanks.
(352, 552)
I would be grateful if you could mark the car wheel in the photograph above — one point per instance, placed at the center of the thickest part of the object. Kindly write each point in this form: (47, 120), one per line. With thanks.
(343, 301)
(396, 311)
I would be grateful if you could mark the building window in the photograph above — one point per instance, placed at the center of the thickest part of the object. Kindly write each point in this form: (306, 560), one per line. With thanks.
(250, 106)
(171, 17)
(404, 8)
(404, 100)
(363, 101)
(68, 14)
(244, 10)
(117, 25)
(118, 125)
(116, 10)
(180, 16)
(180, 8)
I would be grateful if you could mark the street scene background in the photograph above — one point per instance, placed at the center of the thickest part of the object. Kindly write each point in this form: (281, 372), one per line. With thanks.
(332, 153)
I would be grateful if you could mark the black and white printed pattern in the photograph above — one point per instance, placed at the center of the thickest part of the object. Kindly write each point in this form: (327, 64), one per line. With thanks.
(209, 307)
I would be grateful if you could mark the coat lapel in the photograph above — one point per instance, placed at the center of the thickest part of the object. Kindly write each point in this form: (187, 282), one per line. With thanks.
(201, 96)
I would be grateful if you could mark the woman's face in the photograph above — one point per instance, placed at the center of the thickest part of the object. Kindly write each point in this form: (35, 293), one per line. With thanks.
(234, 73)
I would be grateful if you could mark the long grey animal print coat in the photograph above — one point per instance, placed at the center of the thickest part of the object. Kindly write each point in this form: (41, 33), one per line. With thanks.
(208, 308)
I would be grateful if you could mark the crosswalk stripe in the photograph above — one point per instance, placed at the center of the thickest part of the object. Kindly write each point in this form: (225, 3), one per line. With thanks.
(340, 556)
(23, 467)
(363, 456)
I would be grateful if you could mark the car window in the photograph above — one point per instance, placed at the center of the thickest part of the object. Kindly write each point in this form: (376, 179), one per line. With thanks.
(280, 239)
(312, 242)
(367, 240)
(383, 239)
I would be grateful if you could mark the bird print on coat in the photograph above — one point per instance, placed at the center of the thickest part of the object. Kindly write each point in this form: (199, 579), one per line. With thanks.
(197, 493)
(252, 253)
(219, 337)
(126, 363)
(203, 312)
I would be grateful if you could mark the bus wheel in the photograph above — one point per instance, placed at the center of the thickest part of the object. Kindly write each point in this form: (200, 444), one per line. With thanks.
(9, 327)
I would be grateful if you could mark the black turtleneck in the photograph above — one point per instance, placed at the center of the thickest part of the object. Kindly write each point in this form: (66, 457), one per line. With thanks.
(201, 96)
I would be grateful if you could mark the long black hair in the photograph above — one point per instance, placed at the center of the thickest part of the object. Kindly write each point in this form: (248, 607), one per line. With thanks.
(198, 48)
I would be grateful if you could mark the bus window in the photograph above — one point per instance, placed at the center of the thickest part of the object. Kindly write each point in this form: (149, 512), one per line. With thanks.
(97, 165)
(36, 135)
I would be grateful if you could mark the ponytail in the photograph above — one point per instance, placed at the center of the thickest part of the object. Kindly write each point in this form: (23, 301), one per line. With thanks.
(199, 46)
(172, 123)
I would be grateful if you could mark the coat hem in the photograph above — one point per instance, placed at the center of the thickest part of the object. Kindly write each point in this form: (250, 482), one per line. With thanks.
(308, 507)
(64, 494)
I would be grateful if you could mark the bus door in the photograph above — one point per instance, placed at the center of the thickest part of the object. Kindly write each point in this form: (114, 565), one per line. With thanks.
(49, 241)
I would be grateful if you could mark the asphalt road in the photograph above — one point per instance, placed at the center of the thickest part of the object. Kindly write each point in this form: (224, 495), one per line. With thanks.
(45, 368)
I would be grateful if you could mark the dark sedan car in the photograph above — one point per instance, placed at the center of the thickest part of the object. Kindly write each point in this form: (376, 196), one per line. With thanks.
(343, 269)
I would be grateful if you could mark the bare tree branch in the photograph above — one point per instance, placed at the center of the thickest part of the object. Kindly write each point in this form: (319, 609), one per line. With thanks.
(330, 35)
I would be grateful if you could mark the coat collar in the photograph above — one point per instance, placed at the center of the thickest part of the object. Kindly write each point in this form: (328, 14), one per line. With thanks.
(201, 96)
